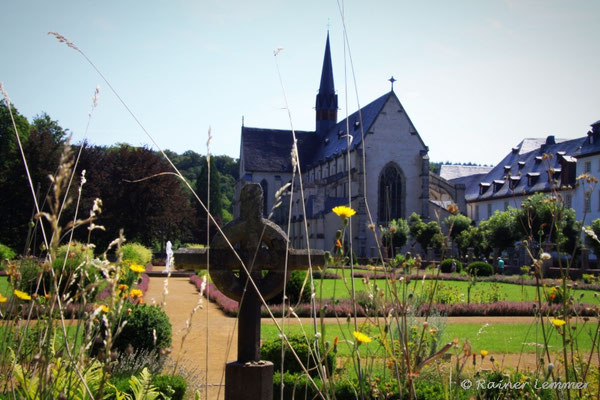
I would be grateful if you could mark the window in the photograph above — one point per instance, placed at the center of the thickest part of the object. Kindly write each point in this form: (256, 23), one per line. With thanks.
(489, 209)
(391, 193)
(588, 167)
(568, 200)
(477, 212)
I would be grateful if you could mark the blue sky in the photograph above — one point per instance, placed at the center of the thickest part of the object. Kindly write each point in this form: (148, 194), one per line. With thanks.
(474, 76)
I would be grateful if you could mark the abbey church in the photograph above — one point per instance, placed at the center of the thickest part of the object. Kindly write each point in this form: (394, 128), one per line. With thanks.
(393, 177)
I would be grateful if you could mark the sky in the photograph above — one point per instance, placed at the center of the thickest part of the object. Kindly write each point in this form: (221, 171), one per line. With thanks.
(475, 77)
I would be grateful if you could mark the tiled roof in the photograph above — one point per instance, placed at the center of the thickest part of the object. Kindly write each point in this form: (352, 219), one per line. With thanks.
(530, 164)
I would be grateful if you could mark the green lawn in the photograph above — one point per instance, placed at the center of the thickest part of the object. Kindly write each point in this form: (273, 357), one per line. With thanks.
(337, 288)
(496, 338)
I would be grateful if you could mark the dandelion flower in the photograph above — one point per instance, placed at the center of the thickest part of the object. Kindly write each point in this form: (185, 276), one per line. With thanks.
(558, 322)
(137, 268)
(104, 308)
(22, 295)
(343, 211)
(136, 293)
(2, 298)
(361, 337)
(483, 353)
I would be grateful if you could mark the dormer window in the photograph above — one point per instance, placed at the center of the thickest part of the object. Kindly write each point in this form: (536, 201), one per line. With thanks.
(553, 173)
(513, 181)
(507, 169)
(483, 187)
(356, 124)
(538, 159)
(521, 164)
(532, 178)
(498, 185)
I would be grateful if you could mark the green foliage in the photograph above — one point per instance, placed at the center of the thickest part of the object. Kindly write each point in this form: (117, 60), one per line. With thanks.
(173, 385)
(296, 386)
(470, 237)
(6, 253)
(500, 230)
(30, 270)
(142, 324)
(591, 242)
(271, 351)
(480, 268)
(137, 253)
(74, 268)
(543, 218)
(142, 387)
(456, 224)
(395, 234)
(589, 278)
(446, 265)
(426, 234)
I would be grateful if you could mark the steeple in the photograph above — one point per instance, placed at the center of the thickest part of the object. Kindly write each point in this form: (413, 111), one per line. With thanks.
(327, 101)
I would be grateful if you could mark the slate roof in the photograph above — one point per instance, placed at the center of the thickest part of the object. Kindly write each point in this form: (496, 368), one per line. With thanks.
(268, 150)
(449, 172)
(517, 166)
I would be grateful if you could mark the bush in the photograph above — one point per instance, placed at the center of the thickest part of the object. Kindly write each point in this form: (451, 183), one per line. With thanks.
(446, 265)
(6, 253)
(143, 321)
(480, 268)
(296, 386)
(72, 266)
(292, 289)
(30, 271)
(395, 234)
(137, 254)
(171, 386)
(271, 351)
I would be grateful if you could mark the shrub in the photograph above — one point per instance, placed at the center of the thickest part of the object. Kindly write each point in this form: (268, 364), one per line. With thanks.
(395, 234)
(69, 267)
(137, 254)
(6, 253)
(292, 289)
(30, 271)
(271, 351)
(142, 324)
(480, 268)
(171, 386)
(588, 278)
(295, 386)
(446, 265)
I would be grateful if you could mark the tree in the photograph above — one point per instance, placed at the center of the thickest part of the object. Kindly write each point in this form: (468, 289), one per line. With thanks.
(455, 224)
(395, 235)
(216, 204)
(544, 218)
(426, 234)
(499, 231)
(591, 242)
(470, 237)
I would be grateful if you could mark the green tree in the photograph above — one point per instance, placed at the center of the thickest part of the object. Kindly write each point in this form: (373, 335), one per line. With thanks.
(455, 224)
(426, 234)
(499, 231)
(470, 237)
(216, 203)
(592, 243)
(395, 234)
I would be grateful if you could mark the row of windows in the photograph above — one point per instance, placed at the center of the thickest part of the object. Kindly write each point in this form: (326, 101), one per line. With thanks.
(329, 169)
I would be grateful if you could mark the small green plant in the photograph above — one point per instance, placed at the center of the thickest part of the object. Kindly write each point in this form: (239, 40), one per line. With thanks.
(170, 386)
(137, 254)
(271, 350)
(73, 268)
(148, 328)
(480, 268)
(6, 253)
(446, 265)
(589, 278)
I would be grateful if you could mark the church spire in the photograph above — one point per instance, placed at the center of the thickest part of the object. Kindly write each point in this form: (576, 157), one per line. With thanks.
(327, 101)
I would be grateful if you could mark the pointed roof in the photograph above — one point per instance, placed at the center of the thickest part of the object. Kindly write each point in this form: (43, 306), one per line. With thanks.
(327, 86)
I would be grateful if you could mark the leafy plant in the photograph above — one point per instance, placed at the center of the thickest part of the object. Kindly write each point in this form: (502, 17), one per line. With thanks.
(480, 268)
(137, 253)
(271, 350)
(446, 265)
(148, 328)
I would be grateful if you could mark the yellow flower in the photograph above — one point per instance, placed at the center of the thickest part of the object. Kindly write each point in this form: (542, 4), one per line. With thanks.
(2, 298)
(361, 337)
(123, 286)
(137, 268)
(136, 293)
(558, 322)
(104, 308)
(343, 211)
(484, 353)
(22, 295)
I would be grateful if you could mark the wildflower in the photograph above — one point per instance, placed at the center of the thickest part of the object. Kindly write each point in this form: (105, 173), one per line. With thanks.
(545, 256)
(104, 308)
(558, 322)
(371, 227)
(483, 353)
(361, 337)
(338, 243)
(47, 296)
(22, 295)
(2, 298)
(137, 268)
(136, 293)
(123, 286)
(343, 211)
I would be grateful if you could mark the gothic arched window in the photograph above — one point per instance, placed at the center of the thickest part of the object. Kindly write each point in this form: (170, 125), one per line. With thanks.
(265, 187)
(391, 193)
